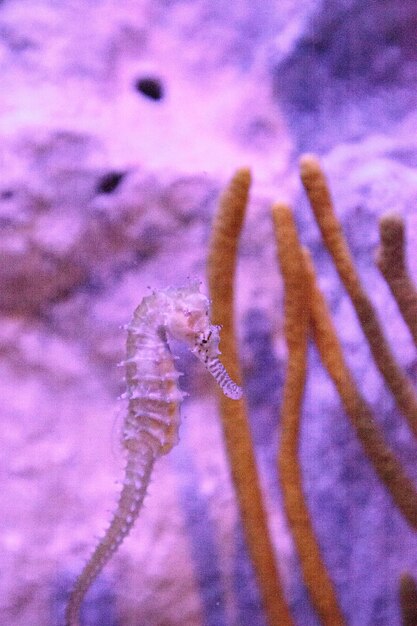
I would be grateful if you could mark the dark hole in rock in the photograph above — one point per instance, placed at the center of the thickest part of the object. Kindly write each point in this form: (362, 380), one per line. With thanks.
(109, 182)
(150, 87)
(6, 194)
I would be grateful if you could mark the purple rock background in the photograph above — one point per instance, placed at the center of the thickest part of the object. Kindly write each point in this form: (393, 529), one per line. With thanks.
(104, 192)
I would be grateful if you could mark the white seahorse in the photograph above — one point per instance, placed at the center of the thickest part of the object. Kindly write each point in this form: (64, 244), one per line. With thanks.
(151, 425)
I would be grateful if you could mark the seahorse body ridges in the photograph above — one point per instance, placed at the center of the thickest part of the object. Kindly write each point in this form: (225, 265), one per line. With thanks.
(151, 425)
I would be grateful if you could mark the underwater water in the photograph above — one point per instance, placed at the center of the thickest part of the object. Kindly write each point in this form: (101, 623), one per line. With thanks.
(122, 123)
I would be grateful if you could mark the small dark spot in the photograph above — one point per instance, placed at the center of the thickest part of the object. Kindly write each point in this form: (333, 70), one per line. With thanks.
(109, 182)
(150, 87)
(6, 194)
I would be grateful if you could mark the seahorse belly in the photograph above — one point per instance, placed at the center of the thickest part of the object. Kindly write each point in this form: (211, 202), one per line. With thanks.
(152, 389)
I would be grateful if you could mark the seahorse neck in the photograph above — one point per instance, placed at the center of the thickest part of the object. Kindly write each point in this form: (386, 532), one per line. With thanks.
(151, 314)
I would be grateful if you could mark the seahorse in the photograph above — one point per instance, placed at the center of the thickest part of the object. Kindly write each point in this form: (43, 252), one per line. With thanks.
(151, 425)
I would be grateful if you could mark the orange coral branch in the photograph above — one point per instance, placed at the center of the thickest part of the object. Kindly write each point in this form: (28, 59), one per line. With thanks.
(382, 458)
(318, 194)
(391, 262)
(408, 600)
(221, 271)
(315, 574)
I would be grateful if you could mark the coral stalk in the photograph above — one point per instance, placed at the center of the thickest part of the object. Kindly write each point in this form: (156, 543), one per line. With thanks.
(318, 194)
(385, 463)
(408, 600)
(238, 440)
(296, 309)
(391, 262)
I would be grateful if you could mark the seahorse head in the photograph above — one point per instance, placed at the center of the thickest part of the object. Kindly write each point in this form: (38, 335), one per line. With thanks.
(189, 318)
(189, 321)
